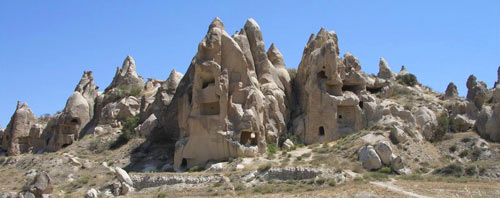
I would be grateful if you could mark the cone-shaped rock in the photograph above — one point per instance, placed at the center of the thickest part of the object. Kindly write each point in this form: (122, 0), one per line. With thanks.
(15, 138)
(451, 91)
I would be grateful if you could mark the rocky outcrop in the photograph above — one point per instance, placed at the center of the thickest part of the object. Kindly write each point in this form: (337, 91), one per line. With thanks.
(162, 97)
(426, 119)
(16, 135)
(385, 71)
(126, 77)
(451, 91)
(328, 91)
(384, 151)
(231, 102)
(476, 93)
(66, 127)
(403, 71)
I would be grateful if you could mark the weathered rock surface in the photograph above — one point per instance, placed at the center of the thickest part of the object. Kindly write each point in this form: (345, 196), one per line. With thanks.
(231, 95)
(123, 176)
(369, 158)
(328, 91)
(385, 71)
(384, 151)
(16, 135)
(92, 193)
(41, 185)
(451, 91)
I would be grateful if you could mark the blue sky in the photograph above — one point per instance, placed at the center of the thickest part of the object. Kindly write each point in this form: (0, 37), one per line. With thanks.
(46, 45)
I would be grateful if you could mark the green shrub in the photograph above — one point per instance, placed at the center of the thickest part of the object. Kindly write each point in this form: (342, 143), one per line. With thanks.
(332, 182)
(464, 153)
(452, 169)
(265, 167)
(195, 169)
(407, 79)
(128, 132)
(385, 170)
(376, 176)
(471, 170)
(161, 195)
(84, 179)
(453, 148)
(442, 127)
(466, 139)
(123, 91)
(271, 148)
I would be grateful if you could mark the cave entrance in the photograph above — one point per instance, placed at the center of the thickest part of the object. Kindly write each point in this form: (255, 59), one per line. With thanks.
(184, 163)
(321, 131)
(65, 145)
(374, 90)
(346, 118)
(248, 138)
(211, 108)
(352, 88)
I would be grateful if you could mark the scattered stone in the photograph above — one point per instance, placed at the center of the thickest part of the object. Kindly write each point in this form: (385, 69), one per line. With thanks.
(123, 176)
(92, 193)
(288, 144)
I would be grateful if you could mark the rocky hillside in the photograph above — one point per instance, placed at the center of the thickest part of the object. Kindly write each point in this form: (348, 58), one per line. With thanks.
(240, 123)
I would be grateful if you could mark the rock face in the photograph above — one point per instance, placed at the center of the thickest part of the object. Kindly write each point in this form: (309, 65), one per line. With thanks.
(65, 128)
(16, 135)
(451, 91)
(476, 92)
(232, 100)
(163, 96)
(328, 90)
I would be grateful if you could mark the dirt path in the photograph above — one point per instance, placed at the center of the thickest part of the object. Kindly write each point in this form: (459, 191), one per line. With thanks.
(390, 186)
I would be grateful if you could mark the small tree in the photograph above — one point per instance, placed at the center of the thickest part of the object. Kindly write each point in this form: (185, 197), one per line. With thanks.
(442, 128)
(407, 79)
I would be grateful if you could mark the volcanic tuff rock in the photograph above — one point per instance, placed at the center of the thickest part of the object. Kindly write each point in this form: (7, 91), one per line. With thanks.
(16, 135)
(231, 95)
(65, 128)
(330, 93)
(451, 91)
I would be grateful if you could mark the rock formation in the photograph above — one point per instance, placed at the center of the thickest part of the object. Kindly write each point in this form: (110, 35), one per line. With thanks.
(232, 100)
(16, 135)
(385, 71)
(451, 91)
(65, 128)
(328, 90)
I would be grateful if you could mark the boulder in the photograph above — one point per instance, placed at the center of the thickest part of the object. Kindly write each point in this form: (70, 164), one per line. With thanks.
(126, 189)
(398, 166)
(462, 123)
(148, 125)
(398, 136)
(92, 193)
(29, 195)
(385, 71)
(451, 91)
(426, 119)
(42, 184)
(288, 144)
(123, 176)
(369, 158)
(384, 151)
